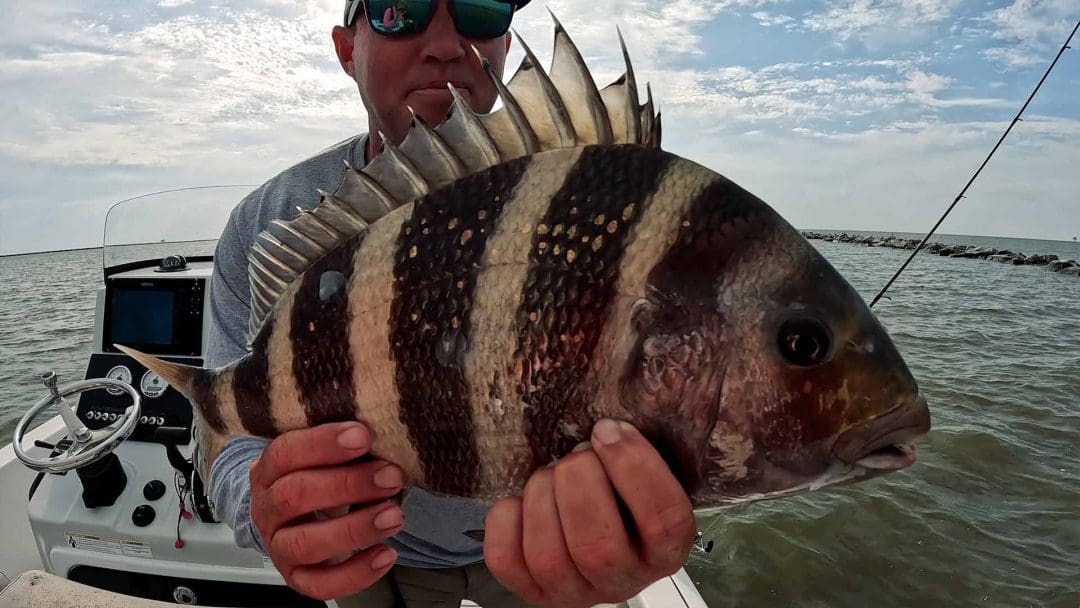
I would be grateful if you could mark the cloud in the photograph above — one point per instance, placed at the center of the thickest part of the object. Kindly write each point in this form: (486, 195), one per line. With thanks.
(769, 19)
(659, 31)
(1032, 31)
(924, 88)
(859, 19)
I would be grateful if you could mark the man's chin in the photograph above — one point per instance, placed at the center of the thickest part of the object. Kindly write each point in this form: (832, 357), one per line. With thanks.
(433, 104)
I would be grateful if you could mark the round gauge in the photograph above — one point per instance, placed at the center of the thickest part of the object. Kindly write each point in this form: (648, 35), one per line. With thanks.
(121, 373)
(152, 385)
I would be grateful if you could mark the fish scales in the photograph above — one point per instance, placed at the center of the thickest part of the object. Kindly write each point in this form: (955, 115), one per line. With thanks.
(435, 270)
(654, 233)
(480, 324)
(500, 426)
(370, 296)
(322, 363)
(284, 391)
(574, 261)
(248, 386)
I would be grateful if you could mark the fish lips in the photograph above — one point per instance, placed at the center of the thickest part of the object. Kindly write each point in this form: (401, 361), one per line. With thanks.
(886, 443)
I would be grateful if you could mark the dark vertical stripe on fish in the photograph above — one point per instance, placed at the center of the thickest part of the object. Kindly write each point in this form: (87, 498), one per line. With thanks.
(435, 270)
(319, 334)
(574, 265)
(251, 386)
(719, 224)
(202, 385)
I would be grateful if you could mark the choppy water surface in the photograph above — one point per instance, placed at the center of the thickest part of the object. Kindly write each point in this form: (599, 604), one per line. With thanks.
(989, 516)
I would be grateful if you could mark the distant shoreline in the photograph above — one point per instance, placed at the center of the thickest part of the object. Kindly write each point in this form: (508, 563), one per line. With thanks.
(920, 234)
(953, 250)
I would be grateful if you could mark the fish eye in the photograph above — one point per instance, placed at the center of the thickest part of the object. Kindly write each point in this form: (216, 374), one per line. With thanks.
(804, 342)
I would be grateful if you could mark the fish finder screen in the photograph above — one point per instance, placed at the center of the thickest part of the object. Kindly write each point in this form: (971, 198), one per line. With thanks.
(142, 316)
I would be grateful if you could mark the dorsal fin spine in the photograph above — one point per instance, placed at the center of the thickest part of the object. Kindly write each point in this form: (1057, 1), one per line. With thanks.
(296, 239)
(517, 117)
(633, 123)
(552, 99)
(381, 196)
(284, 254)
(446, 153)
(404, 165)
(475, 129)
(259, 257)
(601, 126)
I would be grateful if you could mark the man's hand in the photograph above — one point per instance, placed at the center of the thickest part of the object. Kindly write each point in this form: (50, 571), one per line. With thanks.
(305, 474)
(564, 542)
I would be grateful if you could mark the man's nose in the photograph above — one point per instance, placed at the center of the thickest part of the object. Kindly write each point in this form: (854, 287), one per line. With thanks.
(441, 40)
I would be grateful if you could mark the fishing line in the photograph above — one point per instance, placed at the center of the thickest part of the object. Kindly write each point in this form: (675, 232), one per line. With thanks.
(1015, 120)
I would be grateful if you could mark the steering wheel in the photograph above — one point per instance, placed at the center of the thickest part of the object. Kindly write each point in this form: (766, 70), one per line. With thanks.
(86, 446)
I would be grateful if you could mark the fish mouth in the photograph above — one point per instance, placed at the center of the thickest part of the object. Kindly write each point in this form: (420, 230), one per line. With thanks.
(886, 443)
(892, 457)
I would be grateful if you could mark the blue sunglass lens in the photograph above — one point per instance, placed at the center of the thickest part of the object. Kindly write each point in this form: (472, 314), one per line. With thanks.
(482, 18)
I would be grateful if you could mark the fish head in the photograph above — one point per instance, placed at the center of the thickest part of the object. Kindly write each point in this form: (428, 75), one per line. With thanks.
(759, 371)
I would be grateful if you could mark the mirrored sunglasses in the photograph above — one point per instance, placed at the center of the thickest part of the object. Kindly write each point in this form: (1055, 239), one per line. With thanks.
(482, 19)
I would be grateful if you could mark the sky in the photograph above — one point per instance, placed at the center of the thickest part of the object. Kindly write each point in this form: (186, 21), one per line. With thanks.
(847, 114)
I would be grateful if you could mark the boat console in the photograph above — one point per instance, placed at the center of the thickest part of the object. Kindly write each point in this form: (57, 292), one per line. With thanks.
(117, 504)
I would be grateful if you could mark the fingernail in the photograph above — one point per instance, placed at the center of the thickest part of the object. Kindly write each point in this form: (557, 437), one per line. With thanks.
(387, 477)
(353, 438)
(390, 518)
(383, 559)
(581, 447)
(607, 431)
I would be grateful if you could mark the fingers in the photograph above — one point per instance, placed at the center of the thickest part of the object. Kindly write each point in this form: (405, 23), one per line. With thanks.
(544, 543)
(596, 537)
(320, 446)
(303, 492)
(315, 542)
(503, 551)
(359, 572)
(565, 541)
(660, 507)
(301, 488)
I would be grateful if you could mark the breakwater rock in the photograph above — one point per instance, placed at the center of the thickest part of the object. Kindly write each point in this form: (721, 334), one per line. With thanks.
(1004, 256)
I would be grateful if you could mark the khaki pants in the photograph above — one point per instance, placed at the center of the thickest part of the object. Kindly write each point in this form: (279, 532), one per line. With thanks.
(407, 587)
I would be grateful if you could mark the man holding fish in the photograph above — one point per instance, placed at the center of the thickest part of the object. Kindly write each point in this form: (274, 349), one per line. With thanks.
(536, 308)
(599, 526)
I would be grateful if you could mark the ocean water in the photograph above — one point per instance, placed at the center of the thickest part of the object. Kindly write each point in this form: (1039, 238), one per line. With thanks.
(988, 516)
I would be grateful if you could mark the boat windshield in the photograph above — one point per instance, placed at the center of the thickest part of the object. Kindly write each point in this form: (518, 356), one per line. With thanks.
(186, 221)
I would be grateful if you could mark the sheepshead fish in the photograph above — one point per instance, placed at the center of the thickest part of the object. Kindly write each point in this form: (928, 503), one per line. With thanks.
(482, 294)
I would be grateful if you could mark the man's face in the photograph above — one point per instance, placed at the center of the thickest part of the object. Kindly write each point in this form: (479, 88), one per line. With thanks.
(394, 74)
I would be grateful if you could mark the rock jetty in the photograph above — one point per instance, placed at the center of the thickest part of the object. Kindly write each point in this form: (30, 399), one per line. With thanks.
(1004, 256)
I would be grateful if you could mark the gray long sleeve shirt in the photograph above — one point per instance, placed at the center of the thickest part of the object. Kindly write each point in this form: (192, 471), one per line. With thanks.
(432, 536)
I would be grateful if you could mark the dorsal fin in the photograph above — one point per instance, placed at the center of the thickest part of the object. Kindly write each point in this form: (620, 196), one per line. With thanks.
(540, 112)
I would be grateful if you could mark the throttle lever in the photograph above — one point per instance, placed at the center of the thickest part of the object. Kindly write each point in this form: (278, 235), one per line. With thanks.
(170, 437)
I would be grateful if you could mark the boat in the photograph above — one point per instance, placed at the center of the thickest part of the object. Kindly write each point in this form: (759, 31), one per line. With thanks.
(101, 504)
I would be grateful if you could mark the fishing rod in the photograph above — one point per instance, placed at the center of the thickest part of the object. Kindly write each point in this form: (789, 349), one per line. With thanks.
(1015, 120)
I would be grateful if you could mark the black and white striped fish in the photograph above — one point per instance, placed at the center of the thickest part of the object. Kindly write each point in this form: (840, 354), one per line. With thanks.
(482, 294)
